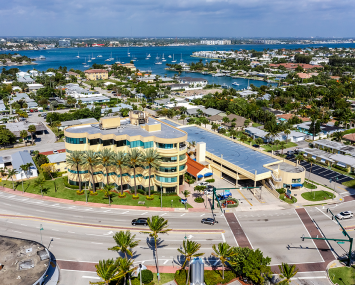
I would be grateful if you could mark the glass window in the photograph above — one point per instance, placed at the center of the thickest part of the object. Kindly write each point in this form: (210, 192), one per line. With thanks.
(107, 142)
(166, 179)
(148, 144)
(182, 157)
(137, 144)
(169, 159)
(297, 180)
(75, 140)
(165, 145)
(182, 167)
(167, 169)
(121, 143)
(95, 141)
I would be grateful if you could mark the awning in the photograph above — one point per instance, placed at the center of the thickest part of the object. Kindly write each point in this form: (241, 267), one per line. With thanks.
(208, 174)
(200, 176)
(297, 185)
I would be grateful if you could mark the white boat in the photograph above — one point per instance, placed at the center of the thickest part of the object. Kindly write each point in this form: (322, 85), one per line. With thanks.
(169, 56)
(128, 54)
(85, 61)
(134, 58)
(99, 55)
(163, 58)
(148, 55)
(108, 59)
(78, 56)
(118, 62)
(89, 59)
(42, 57)
(111, 58)
(158, 60)
(235, 83)
(87, 65)
(173, 59)
(93, 56)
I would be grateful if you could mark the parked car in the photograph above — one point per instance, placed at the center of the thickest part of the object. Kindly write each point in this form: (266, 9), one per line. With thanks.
(140, 221)
(224, 196)
(290, 156)
(203, 184)
(32, 152)
(209, 191)
(113, 92)
(290, 152)
(256, 145)
(55, 151)
(344, 215)
(209, 221)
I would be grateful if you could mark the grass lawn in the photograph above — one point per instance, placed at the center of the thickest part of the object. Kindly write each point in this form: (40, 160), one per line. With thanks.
(70, 194)
(342, 275)
(164, 278)
(350, 183)
(212, 277)
(309, 185)
(255, 125)
(287, 200)
(278, 147)
(317, 195)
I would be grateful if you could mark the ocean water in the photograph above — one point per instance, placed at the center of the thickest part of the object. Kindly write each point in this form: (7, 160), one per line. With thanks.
(67, 57)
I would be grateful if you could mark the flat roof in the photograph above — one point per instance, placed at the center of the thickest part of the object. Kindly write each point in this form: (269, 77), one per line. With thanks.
(232, 152)
(170, 122)
(167, 132)
(287, 167)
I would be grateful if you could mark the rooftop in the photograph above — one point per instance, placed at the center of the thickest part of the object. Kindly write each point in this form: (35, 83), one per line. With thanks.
(60, 157)
(287, 167)
(240, 155)
(167, 132)
(24, 261)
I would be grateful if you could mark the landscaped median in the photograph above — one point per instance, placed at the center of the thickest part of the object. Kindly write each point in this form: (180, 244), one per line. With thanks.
(56, 188)
(342, 275)
(317, 195)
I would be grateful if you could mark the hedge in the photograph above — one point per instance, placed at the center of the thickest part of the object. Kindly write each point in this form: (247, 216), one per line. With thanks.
(147, 276)
(66, 184)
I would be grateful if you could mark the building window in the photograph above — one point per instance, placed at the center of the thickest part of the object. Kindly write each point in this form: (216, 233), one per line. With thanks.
(169, 159)
(182, 167)
(107, 142)
(121, 143)
(75, 140)
(167, 169)
(166, 179)
(136, 144)
(166, 145)
(182, 157)
(95, 141)
(148, 144)
(297, 180)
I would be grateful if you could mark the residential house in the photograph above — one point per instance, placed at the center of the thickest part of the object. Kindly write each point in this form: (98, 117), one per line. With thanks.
(325, 132)
(217, 119)
(16, 128)
(194, 83)
(292, 137)
(59, 160)
(96, 74)
(238, 120)
(15, 161)
(286, 117)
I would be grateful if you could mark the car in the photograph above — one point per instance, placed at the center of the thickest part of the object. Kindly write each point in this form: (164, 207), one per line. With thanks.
(113, 92)
(344, 215)
(32, 152)
(256, 145)
(203, 184)
(209, 191)
(140, 221)
(290, 156)
(55, 152)
(290, 152)
(209, 221)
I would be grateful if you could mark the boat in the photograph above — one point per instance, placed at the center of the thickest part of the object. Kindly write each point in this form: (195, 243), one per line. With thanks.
(111, 58)
(235, 83)
(86, 65)
(157, 57)
(158, 60)
(93, 56)
(173, 59)
(78, 56)
(128, 54)
(42, 57)
(89, 59)
(224, 86)
(99, 55)
(148, 55)
(85, 61)
(134, 58)
(169, 56)
(108, 59)
(118, 62)
(163, 58)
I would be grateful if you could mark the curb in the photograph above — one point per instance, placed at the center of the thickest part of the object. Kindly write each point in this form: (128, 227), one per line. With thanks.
(98, 205)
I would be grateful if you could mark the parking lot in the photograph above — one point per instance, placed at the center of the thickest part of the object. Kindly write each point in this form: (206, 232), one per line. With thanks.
(324, 172)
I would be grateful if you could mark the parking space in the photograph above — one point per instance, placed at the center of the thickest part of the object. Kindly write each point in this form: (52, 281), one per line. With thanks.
(324, 172)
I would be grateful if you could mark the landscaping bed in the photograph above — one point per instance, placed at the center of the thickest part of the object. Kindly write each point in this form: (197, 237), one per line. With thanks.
(287, 200)
(212, 277)
(309, 185)
(317, 195)
(342, 275)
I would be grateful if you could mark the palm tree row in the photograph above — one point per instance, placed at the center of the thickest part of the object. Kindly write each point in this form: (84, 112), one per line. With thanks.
(107, 158)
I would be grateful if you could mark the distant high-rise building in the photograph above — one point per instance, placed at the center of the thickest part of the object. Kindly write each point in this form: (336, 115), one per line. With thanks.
(64, 43)
(216, 42)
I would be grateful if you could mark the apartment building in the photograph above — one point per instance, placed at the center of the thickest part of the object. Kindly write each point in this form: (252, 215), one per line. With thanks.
(96, 74)
(123, 134)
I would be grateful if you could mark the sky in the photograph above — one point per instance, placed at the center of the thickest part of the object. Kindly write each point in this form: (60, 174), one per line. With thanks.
(178, 18)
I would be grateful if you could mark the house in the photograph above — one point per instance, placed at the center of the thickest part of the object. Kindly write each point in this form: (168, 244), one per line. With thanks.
(196, 169)
(71, 73)
(286, 117)
(96, 74)
(16, 128)
(15, 161)
(195, 83)
(247, 93)
(183, 86)
(292, 137)
(348, 137)
(33, 73)
(238, 120)
(326, 130)
(59, 160)
(2, 106)
(34, 86)
(128, 65)
(117, 109)
(50, 74)
(335, 147)
(215, 119)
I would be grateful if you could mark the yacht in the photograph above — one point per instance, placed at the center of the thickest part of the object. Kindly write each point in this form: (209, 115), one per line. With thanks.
(85, 64)
(158, 60)
(111, 58)
(85, 61)
(99, 55)
(128, 54)
(181, 60)
(157, 57)
(118, 62)
(225, 86)
(78, 56)
(93, 56)
(235, 83)
(134, 58)
(163, 58)
(169, 56)
(148, 55)
(42, 57)
(173, 59)
(89, 60)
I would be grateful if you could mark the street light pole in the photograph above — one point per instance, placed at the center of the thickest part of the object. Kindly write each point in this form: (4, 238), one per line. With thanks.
(140, 273)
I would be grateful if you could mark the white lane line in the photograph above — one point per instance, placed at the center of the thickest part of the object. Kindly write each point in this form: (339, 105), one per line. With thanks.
(6, 204)
(182, 215)
(97, 242)
(326, 215)
(144, 213)
(105, 211)
(40, 211)
(202, 215)
(55, 237)
(71, 232)
(309, 277)
(125, 212)
(223, 237)
(91, 277)
(17, 232)
(24, 225)
(78, 216)
(55, 230)
(10, 222)
(163, 214)
(166, 261)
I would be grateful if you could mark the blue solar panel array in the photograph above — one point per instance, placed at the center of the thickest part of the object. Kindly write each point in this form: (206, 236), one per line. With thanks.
(237, 154)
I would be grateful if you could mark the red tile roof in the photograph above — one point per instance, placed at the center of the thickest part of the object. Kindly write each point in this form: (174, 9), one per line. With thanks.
(294, 65)
(193, 167)
(51, 152)
(350, 137)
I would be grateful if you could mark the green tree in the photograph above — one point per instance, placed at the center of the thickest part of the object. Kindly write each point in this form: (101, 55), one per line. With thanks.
(299, 158)
(287, 271)
(6, 137)
(259, 141)
(108, 270)
(105, 157)
(10, 174)
(337, 136)
(39, 182)
(282, 146)
(287, 132)
(126, 268)
(224, 252)
(32, 130)
(74, 159)
(225, 120)
(314, 127)
(90, 160)
(215, 126)
(233, 133)
(152, 159)
(204, 121)
(183, 118)
(23, 135)
(25, 167)
(119, 159)
(134, 160)
(124, 243)
(157, 225)
(189, 250)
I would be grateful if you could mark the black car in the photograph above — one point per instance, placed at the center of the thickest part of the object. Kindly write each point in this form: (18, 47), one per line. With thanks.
(32, 152)
(140, 221)
(209, 221)
(290, 156)
(256, 145)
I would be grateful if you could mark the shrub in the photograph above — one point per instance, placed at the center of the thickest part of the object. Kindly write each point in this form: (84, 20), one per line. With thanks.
(150, 197)
(135, 196)
(147, 276)
(122, 195)
(210, 180)
(180, 277)
(281, 190)
(80, 192)
(66, 184)
(199, 200)
(92, 193)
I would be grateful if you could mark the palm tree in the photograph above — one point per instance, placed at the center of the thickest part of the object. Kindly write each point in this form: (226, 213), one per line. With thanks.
(310, 160)
(134, 159)
(3, 172)
(119, 159)
(287, 271)
(124, 243)
(32, 130)
(282, 146)
(105, 156)
(337, 136)
(10, 174)
(299, 158)
(23, 135)
(75, 160)
(39, 182)
(157, 225)
(125, 267)
(190, 249)
(152, 159)
(215, 126)
(183, 118)
(287, 132)
(108, 270)
(223, 251)
(233, 133)
(25, 168)
(90, 159)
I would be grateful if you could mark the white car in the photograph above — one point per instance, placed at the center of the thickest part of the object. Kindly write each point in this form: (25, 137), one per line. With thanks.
(344, 215)
(209, 191)
(55, 151)
(203, 184)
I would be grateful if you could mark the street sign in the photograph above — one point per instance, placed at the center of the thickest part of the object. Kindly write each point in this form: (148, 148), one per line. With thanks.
(288, 193)
(340, 242)
(41, 228)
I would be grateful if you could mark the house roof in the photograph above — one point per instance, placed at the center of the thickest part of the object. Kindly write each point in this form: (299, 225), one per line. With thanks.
(96, 71)
(51, 152)
(59, 157)
(349, 137)
(193, 167)
(20, 158)
(215, 118)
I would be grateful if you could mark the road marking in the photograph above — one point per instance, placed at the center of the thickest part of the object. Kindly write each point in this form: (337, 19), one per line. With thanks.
(105, 211)
(309, 277)
(223, 237)
(96, 242)
(78, 216)
(17, 232)
(144, 213)
(90, 277)
(166, 261)
(55, 230)
(163, 214)
(71, 232)
(125, 212)
(6, 204)
(326, 215)
(24, 225)
(244, 197)
(183, 215)
(40, 211)
(202, 215)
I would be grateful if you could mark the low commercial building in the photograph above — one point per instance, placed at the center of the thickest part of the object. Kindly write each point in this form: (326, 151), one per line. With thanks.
(70, 123)
(326, 130)
(335, 147)
(141, 132)
(96, 74)
(16, 128)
